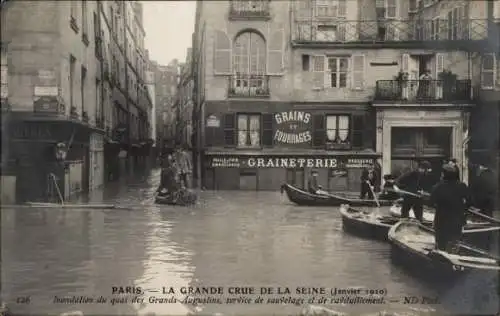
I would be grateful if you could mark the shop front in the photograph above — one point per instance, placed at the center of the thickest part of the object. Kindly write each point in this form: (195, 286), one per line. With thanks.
(407, 136)
(267, 171)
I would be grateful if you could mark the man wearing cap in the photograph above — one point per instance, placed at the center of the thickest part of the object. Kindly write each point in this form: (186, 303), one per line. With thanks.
(453, 163)
(416, 183)
(451, 198)
(483, 190)
(312, 183)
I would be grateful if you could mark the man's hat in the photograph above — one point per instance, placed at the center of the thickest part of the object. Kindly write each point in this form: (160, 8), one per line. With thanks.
(424, 164)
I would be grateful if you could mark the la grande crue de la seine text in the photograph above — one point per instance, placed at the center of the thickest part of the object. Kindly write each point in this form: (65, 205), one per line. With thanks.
(220, 290)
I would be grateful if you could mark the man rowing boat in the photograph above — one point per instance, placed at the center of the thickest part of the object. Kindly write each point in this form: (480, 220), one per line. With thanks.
(313, 186)
(415, 182)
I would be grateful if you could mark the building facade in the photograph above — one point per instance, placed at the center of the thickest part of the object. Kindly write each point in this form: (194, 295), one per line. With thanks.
(184, 103)
(166, 80)
(50, 120)
(336, 85)
(124, 94)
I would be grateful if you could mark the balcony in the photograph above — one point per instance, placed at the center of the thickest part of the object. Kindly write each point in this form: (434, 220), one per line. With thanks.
(246, 10)
(423, 91)
(383, 32)
(248, 86)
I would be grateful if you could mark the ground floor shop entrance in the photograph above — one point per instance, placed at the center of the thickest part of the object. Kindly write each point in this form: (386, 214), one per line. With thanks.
(407, 136)
(413, 144)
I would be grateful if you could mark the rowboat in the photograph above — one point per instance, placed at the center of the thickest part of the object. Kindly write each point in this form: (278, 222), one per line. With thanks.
(412, 246)
(303, 198)
(375, 225)
(428, 214)
(184, 199)
(366, 224)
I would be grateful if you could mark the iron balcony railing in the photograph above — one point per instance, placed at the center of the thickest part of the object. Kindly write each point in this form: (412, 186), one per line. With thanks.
(431, 91)
(249, 9)
(338, 30)
(248, 86)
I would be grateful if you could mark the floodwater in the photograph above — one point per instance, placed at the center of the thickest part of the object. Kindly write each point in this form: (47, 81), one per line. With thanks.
(230, 239)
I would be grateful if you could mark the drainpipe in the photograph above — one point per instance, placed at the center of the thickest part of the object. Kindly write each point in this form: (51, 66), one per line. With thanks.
(465, 160)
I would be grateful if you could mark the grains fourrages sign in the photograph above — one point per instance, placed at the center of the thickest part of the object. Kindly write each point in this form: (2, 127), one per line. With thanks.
(293, 127)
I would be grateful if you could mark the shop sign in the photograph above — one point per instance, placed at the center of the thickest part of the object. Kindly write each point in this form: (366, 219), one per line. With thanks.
(359, 162)
(31, 131)
(41, 91)
(213, 121)
(273, 162)
(293, 127)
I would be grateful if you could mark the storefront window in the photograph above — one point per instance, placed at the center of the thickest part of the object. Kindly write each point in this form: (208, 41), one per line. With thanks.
(337, 129)
(248, 130)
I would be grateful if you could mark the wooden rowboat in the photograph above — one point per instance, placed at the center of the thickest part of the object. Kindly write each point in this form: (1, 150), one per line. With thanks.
(303, 198)
(376, 226)
(412, 246)
(366, 224)
(187, 198)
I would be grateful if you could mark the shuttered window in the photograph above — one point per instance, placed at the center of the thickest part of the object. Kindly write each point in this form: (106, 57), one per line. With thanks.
(358, 122)
(275, 52)
(267, 130)
(319, 132)
(358, 72)
(229, 129)
(222, 54)
(488, 65)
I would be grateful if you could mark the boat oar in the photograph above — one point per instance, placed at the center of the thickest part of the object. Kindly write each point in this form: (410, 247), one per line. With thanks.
(373, 193)
(485, 217)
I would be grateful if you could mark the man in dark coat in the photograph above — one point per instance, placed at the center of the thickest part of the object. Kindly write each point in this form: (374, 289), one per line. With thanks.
(483, 189)
(451, 198)
(169, 181)
(416, 182)
(453, 163)
(369, 181)
(388, 189)
(312, 184)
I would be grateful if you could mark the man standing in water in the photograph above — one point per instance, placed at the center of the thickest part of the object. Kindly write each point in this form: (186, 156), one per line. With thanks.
(451, 199)
(416, 183)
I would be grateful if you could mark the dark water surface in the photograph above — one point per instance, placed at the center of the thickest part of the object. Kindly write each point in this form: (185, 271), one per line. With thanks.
(230, 239)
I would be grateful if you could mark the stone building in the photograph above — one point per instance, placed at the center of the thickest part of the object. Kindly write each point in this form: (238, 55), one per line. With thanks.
(288, 84)
(166, 80)
(52, 136)
(184, 103)
(124, 93)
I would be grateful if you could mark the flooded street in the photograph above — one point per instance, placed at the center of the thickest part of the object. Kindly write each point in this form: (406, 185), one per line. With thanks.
(230, 239)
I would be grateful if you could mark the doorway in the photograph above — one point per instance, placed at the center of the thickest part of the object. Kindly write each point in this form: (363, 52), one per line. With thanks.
(409, 145)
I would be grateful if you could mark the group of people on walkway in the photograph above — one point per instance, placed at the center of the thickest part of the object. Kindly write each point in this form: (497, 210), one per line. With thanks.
(176, 172)
(449, 195)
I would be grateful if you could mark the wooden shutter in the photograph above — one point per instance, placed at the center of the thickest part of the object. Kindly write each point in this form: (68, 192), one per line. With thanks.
(222, 53)
(267, 130)
(358, 122)
(275, 52)
(318, 68)
(358, 72)
(439, 67)
(342, 8)
(488, 65)
(319, 132)
(405, 63)
(229, 129)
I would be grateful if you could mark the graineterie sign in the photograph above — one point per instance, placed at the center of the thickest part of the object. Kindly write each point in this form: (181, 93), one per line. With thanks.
(338, 163)
(293, 127)
(273, 162)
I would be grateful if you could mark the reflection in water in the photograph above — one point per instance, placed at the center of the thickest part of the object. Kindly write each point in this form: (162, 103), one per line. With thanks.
(230, 239)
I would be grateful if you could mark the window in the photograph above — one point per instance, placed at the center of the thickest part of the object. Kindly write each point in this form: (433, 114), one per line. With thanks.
(488, 65)
(331, 32)
(72, 62)
(435, 29)
(330, 8)
(390, 8)
(85, 26)
(82, 87)
(73, 11)
(99, 111)
(337, 129)
(249, 61)
(338, 68)
(248, 130)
